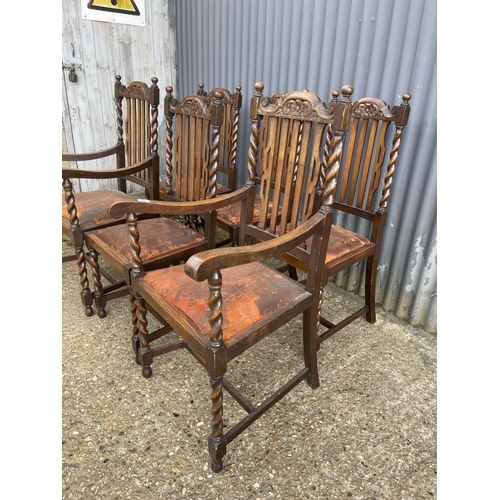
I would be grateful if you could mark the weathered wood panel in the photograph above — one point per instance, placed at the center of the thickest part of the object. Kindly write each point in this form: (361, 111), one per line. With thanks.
(99, 51)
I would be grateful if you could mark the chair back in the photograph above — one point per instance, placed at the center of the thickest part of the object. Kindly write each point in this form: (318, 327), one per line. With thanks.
(192, 131)
(231, 103)
(139, 131)
(294, 140)
(366, 175)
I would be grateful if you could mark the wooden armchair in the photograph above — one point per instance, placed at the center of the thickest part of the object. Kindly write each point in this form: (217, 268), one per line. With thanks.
(225, 300)
(361, 197)
(164, 240)
(136, 160)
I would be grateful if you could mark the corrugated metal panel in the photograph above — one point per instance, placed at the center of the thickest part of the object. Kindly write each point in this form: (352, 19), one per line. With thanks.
(383, 48)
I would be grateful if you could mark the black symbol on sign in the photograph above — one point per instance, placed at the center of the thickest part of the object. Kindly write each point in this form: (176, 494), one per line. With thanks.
(119, 6)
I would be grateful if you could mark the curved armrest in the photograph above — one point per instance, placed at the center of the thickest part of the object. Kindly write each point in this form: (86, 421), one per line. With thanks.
(96, 155)
(202, 265)
(72, 173)
(120, 209)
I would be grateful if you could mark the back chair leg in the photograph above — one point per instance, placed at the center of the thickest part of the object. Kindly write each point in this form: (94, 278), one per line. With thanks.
(292, 272)
(99, 295)
(135, 329)
(370, 282)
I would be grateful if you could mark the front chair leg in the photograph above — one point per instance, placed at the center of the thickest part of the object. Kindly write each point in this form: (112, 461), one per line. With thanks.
(311, 322)
(86, 294)
(135, 329)
(99, 296)
(216, 441)
(216, 367)
(144, 353)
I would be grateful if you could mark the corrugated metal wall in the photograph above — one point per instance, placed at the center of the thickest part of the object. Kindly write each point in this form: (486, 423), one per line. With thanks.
(383, 48)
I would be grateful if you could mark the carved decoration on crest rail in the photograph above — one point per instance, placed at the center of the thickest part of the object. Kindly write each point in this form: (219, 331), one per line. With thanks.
(302, 104)
(136, 90)
(226, 98)
(193, 106)
(372, 108)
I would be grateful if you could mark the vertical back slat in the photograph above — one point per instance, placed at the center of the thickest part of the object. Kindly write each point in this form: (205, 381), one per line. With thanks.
(269, 129)
(147, 134)
(225, 142)
(303, 131)
(135, 130)
(143, 130)
(358, 155)
(205, 155)
(313, 170)
(277, 168)
(368, 157)
(199, 161)
(191, 164)
(346, 170)
(184, 165)
(178, 150)
(380, 150)
(129, 132)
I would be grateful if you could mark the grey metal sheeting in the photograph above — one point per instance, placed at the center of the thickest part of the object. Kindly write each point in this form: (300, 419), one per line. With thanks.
(384, 49)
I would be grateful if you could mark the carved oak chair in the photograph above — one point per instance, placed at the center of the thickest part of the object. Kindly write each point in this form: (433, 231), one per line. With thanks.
(361, 198)
(225, 300)
(136, 160)
(290, 151)
(165, 240)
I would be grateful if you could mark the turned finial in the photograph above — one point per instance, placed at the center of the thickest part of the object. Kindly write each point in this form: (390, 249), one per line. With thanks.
(201, 90)
(347, 91)
(259, 87)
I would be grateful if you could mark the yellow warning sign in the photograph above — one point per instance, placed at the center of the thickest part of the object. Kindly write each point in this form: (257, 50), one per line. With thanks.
(115, 11)
(118, 6)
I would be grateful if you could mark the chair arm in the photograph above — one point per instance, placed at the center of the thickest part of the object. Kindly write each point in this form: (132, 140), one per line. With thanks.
(73, 173)
(202, 265)
(120, 209)
(96, 155)
(358, 212)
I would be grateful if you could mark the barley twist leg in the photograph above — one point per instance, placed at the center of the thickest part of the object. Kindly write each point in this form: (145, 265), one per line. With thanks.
(99, 296)
(144, 353)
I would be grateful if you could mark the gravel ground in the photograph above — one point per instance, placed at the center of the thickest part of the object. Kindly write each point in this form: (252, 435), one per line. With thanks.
(368, 431)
